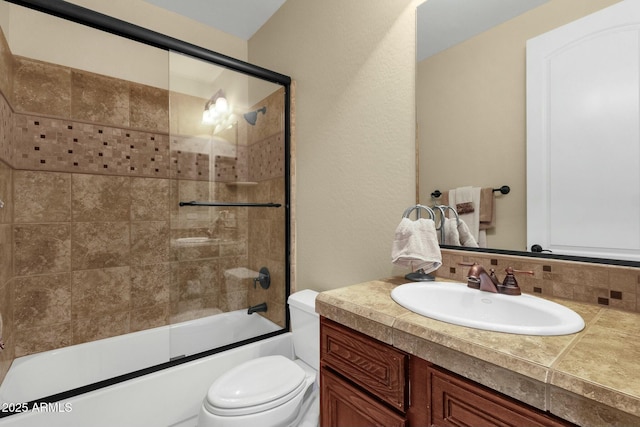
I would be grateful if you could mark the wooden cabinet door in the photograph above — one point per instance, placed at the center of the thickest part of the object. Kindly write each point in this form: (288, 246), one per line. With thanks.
(343, 405)
(457, 402)
(376, 367)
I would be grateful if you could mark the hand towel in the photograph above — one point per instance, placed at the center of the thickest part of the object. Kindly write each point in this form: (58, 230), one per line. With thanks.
(487, 208)
(415, 245)
(451, 235)
(466, 238)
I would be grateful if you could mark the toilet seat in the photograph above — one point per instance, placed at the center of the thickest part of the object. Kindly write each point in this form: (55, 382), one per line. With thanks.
(256, 386)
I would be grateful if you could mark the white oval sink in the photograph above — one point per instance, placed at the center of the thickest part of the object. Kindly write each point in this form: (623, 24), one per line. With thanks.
(456, 303)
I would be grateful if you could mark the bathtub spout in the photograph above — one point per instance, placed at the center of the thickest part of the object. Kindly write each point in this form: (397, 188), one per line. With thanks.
(257, 308)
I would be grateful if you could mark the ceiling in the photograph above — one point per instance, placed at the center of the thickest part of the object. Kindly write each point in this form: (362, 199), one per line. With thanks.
(241, 18)
(441, 23)
(444, 23)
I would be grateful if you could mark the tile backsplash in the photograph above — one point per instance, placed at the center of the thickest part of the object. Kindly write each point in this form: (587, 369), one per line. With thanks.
(604, 284)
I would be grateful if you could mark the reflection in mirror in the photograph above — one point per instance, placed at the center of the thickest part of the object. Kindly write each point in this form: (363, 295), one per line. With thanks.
(471, 103)
(101, 137)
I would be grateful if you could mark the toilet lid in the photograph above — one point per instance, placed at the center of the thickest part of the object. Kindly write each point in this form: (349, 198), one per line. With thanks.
(256, 382)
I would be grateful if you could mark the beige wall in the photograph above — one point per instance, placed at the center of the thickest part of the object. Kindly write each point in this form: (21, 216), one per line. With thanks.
(471, 114)
(163, 21)
(354, 67)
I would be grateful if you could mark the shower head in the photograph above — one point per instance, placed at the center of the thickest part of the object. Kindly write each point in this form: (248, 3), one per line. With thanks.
(252, 116)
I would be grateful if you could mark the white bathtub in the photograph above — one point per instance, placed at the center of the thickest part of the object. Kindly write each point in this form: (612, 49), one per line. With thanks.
(167, 398)
(51, 372)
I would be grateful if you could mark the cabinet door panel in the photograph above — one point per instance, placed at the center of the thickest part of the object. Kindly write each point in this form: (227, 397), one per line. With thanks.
(343, 405)
(456, 402)
(373, 365)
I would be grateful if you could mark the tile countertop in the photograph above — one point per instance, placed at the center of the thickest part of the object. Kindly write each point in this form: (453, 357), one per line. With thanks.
(589, 378)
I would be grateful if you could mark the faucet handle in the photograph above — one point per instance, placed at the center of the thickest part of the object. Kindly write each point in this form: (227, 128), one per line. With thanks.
(510, 284)
(530, 272)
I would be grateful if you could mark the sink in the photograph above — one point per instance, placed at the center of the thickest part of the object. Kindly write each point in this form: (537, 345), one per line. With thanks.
(455, 303)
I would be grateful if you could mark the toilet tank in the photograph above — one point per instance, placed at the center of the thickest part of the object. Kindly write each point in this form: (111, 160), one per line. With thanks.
(305, 326)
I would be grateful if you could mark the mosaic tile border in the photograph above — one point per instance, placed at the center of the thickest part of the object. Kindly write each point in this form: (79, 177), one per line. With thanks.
(602, 284)
(69, 146)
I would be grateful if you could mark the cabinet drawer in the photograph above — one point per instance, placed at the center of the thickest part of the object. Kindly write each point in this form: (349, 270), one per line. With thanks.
(377, 367)
(343, 405)
(458, 402)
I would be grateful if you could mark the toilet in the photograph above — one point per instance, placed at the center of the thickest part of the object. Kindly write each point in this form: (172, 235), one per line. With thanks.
(272, 391)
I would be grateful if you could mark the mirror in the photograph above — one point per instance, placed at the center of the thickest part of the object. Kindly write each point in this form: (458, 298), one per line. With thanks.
(471, 103)
(142, 177)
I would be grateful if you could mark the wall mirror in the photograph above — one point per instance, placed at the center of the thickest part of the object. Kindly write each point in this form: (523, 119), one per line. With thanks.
(148, 174)
(471, 102)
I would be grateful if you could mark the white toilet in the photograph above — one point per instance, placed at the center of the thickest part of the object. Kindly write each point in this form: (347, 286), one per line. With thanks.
(272, 391)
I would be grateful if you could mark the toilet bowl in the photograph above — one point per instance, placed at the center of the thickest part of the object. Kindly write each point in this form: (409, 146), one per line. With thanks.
(272, 391)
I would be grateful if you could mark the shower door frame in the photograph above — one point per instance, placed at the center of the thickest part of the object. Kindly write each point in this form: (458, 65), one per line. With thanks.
(99, 21)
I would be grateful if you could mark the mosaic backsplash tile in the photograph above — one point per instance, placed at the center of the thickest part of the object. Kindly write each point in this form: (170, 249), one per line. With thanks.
(60, 145)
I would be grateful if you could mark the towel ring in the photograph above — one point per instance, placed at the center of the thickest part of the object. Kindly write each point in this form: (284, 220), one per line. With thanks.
(417, 208)
(444, 208)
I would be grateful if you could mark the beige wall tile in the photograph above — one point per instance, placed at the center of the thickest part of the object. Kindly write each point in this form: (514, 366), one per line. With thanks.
(42, 196)
(100, 245)
(623, 279)
(149, 242)
(42, 300)
(149, 108)
(149, 199)
(100, 291)
(99, 327)
(6, 253)
(100, 198)
(6, 193)
(41, 249)
(149, 317)
(40, 87)
(43, 338)
(182, 251)
(192, 282)
(150, 285)
(99, 99)
(7, 330)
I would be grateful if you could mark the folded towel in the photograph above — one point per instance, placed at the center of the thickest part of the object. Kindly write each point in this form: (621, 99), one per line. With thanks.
(466, 237)
(487, 211)
(451, 235)
(463, 195)
(415, 245)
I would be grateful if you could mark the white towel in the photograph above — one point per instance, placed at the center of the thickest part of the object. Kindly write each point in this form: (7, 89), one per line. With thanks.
(451, 235)
(466, 238)
(415, 245)
(465, 195)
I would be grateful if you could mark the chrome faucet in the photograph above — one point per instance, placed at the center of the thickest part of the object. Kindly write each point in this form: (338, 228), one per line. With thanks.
(478, 278)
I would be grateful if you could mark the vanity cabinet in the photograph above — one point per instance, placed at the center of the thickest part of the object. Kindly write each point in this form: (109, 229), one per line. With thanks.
(364, 382)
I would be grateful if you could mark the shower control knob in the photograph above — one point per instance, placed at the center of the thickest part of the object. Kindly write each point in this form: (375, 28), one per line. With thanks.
(264, 278)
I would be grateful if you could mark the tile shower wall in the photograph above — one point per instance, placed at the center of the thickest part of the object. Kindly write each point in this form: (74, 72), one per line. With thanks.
(91, 230)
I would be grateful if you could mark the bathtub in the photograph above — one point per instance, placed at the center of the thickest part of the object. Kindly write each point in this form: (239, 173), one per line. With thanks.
(48, 373)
